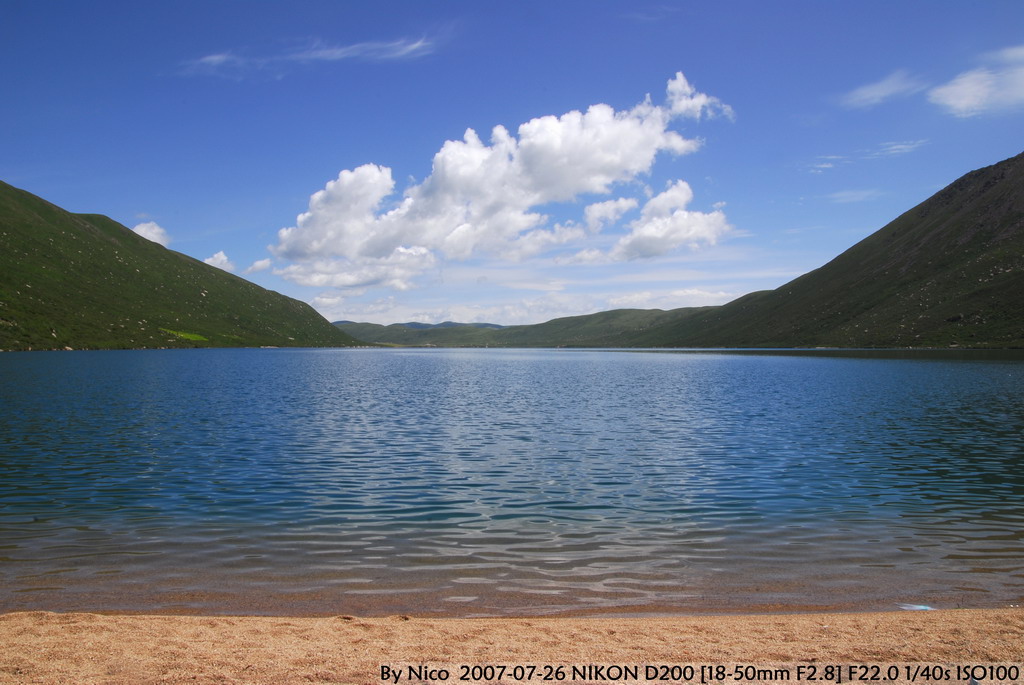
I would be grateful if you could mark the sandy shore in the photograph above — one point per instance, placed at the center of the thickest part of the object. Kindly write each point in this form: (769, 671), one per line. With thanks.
(43, 647)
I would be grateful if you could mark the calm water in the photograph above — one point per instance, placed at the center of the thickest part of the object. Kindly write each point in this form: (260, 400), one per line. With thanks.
(488, 482)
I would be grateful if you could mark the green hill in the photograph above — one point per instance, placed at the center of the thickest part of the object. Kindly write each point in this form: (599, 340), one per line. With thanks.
(85, 281)
(949, 272)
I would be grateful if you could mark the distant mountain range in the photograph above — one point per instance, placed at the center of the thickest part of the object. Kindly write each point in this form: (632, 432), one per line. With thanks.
(947, 273)
(416, 325)
(84, 281)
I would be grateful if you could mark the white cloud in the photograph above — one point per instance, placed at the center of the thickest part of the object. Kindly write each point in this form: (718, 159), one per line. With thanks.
(390, 50)
(896, 84)
(601, 214)
(539, 240)
(397, 270)
(968, 94)
(883, 150)
(341, 218)
(560, 158)
(590, 255)
(665, 224)
(996, 87)
(233, 65)
(487, 198)
(258, 265)
(671, 299)
(896, 148)
(226, 65)
(1011, 55)
(329, 303)
(220, 60)
(684, 100)
(848, 196)
(826, 162)
(221, 261)
(150, 230)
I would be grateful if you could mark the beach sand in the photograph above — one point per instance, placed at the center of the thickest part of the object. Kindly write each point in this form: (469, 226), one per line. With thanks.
(44, 647)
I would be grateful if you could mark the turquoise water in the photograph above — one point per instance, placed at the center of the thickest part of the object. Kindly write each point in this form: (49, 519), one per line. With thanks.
(495, 482)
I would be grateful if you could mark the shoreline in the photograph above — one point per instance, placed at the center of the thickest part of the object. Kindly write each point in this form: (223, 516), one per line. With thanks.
(46, 647)
(453, 601)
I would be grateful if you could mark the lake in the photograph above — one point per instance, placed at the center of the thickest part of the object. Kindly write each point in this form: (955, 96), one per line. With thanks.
(509, 482)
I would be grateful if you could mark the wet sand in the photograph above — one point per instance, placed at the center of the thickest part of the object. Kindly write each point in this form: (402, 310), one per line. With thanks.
(44, 647)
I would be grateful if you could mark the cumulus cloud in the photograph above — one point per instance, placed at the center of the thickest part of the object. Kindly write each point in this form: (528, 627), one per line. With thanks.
(898, 83)
(258, 265)
(998, 86)
(221, 261)
(684, 100)
(590, 255)
(601, 214)
(397, 270)
(150, 230)
(665, 224)
(488, 198)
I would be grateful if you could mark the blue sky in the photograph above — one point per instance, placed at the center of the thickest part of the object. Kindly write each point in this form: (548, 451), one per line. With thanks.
(514, 162)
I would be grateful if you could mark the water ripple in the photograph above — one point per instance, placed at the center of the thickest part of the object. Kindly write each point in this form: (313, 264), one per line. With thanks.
(492, 482)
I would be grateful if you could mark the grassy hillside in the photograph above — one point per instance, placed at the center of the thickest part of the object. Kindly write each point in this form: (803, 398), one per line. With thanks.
(949, 272)
(85, 281)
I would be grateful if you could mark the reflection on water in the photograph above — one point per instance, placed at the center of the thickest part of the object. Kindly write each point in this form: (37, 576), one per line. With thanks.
(486, 482)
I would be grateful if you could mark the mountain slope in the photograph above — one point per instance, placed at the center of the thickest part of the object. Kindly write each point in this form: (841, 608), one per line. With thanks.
(948, 272)
(85, 281)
